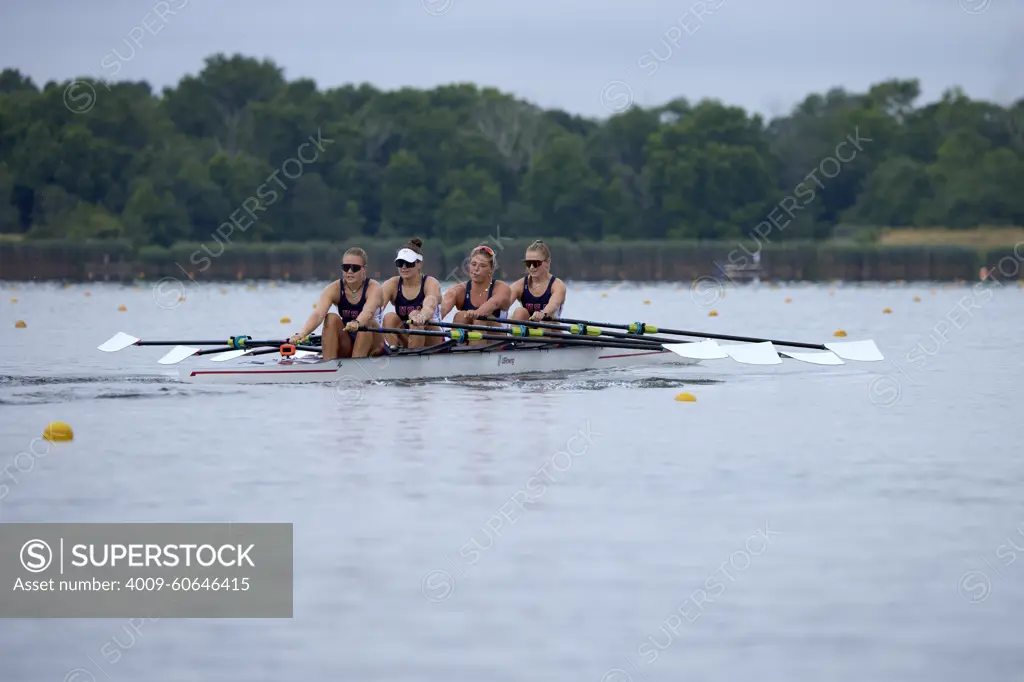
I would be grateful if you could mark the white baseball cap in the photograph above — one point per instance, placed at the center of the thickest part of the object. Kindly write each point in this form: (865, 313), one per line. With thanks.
(408, 255)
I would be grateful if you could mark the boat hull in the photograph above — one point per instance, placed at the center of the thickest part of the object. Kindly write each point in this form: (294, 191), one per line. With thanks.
(456, 363)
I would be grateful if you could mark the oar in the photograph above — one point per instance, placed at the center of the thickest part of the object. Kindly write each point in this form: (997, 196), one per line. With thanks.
(120, 341)
(536, 329)
(529, 332)
(179, 353)
(863, 351)
(498, 334)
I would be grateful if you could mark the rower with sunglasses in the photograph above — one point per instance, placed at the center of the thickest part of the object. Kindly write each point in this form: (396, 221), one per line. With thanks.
(540, 293)
(412, 311)
(481, 296)
(358, 299)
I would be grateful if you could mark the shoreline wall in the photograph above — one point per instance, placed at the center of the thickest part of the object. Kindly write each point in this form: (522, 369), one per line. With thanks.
(580, 261)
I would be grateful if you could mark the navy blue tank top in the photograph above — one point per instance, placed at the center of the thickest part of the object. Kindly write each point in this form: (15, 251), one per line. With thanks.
(534, 303)
(468, 304)
(350, 311)
(404, 307)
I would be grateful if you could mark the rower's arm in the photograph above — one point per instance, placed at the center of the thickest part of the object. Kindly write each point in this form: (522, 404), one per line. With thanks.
(323, 305)
(451, 299)
(431, 298)
(499, 300)
(373, 302)
(387, 292)
(557, 297)
(515, 291)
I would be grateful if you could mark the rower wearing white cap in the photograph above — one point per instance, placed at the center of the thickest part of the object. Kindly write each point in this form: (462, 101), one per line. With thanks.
(419, 310)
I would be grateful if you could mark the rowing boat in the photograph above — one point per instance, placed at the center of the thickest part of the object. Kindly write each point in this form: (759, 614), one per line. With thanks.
(527, 347)
(457, 362)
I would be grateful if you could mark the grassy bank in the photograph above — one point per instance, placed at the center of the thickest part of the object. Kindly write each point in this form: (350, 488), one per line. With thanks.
(891, 259)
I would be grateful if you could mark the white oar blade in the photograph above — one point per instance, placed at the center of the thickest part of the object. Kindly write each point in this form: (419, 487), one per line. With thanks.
(863, 351)
(699, 350)
(822, 358)
(754, 353)
(177, 354)
(117, 342)
(230, 355)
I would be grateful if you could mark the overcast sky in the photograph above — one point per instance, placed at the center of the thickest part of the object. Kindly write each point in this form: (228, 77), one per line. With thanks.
(585, 56)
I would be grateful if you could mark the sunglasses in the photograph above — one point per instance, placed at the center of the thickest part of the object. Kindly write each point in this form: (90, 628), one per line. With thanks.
(404, 264)
(351, 267)
(533, 263)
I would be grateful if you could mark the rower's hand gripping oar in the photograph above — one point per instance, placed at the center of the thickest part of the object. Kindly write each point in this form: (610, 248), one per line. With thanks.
(762, 351)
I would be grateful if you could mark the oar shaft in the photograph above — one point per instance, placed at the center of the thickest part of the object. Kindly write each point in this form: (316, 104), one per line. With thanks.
(220, 342)
(701, 335)
(592, 331)
(499, 334)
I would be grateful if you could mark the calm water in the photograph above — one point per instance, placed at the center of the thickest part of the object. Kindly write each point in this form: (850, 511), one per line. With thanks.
(795, 522)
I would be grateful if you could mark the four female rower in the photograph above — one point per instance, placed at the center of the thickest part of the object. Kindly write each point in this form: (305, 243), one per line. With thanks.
(358, 300)
(416, 298)
(540, 293)
(481, 296)
(418, 302)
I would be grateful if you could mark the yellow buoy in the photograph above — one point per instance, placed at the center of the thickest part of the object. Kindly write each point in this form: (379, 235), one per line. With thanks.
(712, 313)
(224, 291)
(58, 431)
(604, 295)
(789, 300)
(917, 299)
(686, 398)
(932, 292)
(122, 308)
(839, 332)
(887, 311)
(647, 301)
(180, 299)
(67, 285)
(286, 320)
(20, 324)
(14, 300)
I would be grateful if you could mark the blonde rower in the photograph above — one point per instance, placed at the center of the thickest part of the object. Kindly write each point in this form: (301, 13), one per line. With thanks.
(481, 296)
(358, 300)
(416, 297)
(541, 294)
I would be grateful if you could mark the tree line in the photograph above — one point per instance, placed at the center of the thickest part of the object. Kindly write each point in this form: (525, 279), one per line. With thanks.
(239, 148)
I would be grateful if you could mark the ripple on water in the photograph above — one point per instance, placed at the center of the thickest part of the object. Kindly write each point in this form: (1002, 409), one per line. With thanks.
(36, 390)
